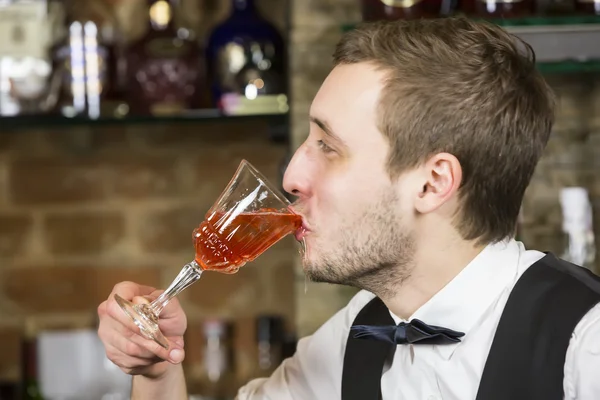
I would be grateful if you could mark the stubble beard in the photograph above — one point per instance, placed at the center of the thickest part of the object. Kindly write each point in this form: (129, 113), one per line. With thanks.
(372, 252)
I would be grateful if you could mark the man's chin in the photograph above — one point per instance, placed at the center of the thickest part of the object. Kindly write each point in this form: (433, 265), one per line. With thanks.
(318, 274)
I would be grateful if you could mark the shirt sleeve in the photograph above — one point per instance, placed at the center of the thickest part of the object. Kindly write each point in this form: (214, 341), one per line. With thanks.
(315, 370)
(582, 363)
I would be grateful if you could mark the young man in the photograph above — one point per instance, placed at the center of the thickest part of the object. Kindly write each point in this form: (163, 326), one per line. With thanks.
(422, 141)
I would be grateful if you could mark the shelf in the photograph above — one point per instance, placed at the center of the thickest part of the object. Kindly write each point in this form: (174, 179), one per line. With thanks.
(202, 116)
(546, 22)
(569, 67)
(562, 43)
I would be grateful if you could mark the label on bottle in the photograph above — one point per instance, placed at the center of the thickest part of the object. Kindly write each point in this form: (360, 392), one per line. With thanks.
(400, 3)
(23, 28)
(167, 109)
(237, 104)
(167, 48)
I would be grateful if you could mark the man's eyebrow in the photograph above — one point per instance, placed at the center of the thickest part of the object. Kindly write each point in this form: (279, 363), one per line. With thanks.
(324, 126)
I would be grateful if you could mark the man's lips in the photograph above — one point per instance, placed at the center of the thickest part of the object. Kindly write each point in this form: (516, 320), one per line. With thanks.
(304, 228)
(301, 232)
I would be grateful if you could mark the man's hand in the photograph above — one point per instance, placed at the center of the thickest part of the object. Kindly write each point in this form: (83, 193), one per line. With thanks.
(125, 346)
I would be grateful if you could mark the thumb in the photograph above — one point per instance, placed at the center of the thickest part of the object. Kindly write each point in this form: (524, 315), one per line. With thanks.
(141, 300)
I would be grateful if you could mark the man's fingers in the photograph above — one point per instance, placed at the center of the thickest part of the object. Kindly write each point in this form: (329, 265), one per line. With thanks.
(124, 340)
(129, 364)
(128, 332)
(173, 308)
(128, 290)
(142, 299)
(115, 311)
(174, 353)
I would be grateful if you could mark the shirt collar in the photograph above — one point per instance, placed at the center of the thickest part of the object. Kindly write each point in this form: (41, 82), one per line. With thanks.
(467, 297)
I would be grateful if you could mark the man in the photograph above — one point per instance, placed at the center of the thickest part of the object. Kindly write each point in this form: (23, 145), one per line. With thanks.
(423, 139)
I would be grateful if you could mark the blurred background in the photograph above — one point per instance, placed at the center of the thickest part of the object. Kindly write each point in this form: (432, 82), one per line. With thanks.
(122, 120)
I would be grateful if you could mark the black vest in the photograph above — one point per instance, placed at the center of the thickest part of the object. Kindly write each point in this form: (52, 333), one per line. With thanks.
(526, 360)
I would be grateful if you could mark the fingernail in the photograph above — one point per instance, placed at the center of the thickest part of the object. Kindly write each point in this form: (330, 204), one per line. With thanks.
(176, 356)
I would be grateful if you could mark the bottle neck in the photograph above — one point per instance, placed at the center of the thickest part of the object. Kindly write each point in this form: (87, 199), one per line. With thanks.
(243, 7)
(161, 14)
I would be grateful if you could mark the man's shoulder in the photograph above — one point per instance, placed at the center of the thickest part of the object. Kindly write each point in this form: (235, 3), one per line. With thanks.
(574, 272)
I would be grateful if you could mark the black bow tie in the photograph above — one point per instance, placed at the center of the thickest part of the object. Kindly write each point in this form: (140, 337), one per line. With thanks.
(413, 332)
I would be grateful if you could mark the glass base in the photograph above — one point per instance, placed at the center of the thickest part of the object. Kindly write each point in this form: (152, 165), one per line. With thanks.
(144, 319)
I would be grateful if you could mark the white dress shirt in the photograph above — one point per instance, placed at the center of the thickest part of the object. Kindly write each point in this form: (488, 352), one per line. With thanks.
(471, 303)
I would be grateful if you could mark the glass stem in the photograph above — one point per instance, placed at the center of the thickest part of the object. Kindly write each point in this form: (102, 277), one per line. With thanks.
(189, 274)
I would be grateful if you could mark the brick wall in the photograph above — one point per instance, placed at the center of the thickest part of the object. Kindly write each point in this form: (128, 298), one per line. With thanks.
(84, 208)
(572, 156)
(76, 220)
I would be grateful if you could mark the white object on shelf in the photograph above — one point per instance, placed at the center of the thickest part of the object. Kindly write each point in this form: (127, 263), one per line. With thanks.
(578, 226)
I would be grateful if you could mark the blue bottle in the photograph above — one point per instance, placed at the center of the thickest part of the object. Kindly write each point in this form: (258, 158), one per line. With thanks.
(247, 63)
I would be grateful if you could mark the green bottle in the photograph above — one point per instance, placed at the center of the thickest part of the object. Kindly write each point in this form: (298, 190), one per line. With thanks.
(30, 389)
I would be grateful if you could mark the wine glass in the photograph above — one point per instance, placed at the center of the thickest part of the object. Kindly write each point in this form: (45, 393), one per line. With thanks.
(249, 216)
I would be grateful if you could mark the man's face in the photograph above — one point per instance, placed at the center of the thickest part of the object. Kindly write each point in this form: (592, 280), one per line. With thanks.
(357, 220)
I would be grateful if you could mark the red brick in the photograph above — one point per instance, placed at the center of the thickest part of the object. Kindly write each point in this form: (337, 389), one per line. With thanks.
(139, 177)
(14, 230)
(68, 289)
(218, 167)
(10, 347)
(54, 180)
(171, 230)
(57, 180)
(83, 233)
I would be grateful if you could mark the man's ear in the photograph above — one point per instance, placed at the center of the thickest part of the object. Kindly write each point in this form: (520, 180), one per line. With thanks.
(442, 175)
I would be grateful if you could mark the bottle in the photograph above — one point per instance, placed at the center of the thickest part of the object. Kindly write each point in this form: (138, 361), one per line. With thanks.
(25, 68)
(579, 245)
(218, 382)
(246, 63)
(498, 8)
(30, 389)
(376, 10)
(270, 343)
(86, 60)
(162, 67)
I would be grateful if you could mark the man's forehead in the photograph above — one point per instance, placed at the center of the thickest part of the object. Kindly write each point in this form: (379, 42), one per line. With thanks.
(349, 92)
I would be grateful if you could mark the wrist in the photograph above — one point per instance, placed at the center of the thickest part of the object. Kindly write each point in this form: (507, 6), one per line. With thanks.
(158, 371)
(163, 381)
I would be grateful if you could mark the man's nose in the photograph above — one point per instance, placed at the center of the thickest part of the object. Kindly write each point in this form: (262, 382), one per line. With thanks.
(296, 178)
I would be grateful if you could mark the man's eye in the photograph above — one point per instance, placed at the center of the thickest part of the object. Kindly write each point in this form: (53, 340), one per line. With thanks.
(324, 147)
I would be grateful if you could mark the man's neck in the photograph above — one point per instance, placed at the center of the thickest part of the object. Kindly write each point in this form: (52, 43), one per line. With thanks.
(433, 269)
